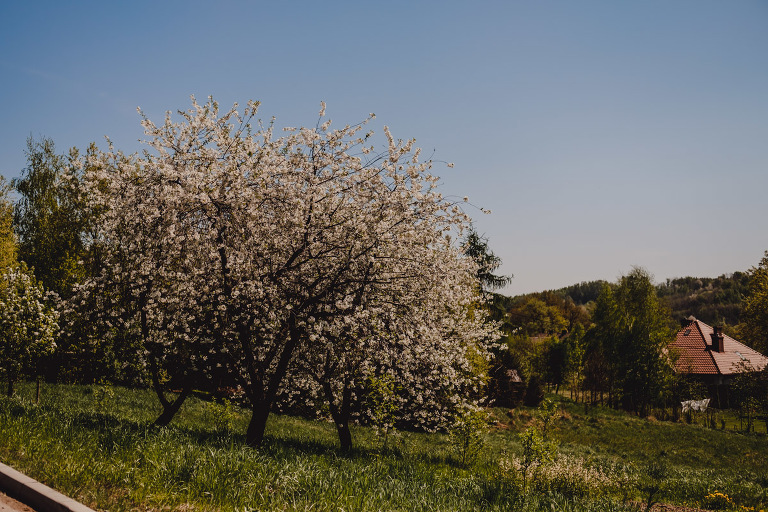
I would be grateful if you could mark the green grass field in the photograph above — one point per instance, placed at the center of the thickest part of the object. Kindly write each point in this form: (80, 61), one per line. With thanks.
(96, 444)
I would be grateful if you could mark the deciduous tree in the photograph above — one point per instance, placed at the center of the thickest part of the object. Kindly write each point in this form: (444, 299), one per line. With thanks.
(628, 340)
(48, 217)
(28, 323)
(246, 248)
(8, 246)
(754, 318)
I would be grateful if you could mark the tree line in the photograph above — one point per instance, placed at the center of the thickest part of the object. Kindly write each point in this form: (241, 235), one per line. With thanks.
(608, 342)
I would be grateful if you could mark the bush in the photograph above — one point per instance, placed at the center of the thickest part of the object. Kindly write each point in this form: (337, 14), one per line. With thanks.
(467, 435)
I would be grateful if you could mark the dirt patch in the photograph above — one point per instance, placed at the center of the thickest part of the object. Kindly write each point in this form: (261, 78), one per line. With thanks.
(8, 504)
(664, 507)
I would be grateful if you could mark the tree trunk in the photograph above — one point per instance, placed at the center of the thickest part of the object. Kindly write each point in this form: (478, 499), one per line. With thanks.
(341, 420)
(10, 386)
(262, 394)
(171, 408)
(340, 412)
(254, 436)
(345, 436)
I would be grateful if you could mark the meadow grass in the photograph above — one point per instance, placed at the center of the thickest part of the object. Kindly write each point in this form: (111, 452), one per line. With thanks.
(96, 443)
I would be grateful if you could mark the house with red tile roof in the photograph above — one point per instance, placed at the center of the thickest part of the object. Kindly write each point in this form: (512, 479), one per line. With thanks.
(707, 353)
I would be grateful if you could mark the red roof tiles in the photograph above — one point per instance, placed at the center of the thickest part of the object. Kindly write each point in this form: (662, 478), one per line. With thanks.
(693, 344)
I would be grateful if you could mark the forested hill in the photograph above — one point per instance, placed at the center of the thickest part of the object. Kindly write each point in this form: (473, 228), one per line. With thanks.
(714, 300)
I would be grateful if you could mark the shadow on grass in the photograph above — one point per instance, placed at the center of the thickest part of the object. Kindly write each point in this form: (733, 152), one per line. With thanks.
(115, 432)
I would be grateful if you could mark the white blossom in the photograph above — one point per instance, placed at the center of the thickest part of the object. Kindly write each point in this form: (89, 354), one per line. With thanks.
(259, 251)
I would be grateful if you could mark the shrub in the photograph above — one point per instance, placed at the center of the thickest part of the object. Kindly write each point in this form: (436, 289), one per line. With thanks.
(534, 392)
(717, 501)
(221, 414)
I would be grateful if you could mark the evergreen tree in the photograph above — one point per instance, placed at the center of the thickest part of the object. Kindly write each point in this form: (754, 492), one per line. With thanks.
(476, 247)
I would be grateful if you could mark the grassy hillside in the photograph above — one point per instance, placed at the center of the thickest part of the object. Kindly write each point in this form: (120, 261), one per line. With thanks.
(96, 444)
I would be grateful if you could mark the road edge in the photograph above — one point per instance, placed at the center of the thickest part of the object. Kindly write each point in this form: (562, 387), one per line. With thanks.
(36, 495)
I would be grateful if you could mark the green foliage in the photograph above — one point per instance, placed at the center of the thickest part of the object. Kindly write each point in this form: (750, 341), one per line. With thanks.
(715, 301)
(221, 414)
(539, 451)
(49, 217)
(467, 435)
(584, 292)
(548, 412)
(556, 361)
(536, 451)
(627, 345)
(8, 246)
(533, 316)
(749, 393)
(754, 326)
(541, 331)
(104, 394)
(534, 392)
(382, 409)
(576, 359)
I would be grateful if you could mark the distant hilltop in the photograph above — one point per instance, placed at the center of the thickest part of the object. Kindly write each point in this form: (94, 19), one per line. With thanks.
(714, 300)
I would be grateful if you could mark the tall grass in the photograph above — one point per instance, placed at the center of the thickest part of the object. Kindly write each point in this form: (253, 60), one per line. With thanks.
(97, 445)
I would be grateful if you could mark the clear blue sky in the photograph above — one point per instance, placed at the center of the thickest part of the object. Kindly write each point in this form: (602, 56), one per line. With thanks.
(601, 134)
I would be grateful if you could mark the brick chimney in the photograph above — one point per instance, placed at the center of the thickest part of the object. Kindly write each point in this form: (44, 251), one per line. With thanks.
(718, 340)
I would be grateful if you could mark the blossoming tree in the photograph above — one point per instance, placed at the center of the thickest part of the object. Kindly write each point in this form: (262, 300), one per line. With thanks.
(28, 323)
(246, 248)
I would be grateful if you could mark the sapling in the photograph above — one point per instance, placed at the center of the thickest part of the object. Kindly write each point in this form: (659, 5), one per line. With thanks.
(381, 406)
(536, 452)
(467, 434)
(652, 482)
(222, 414)
(548, 411)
